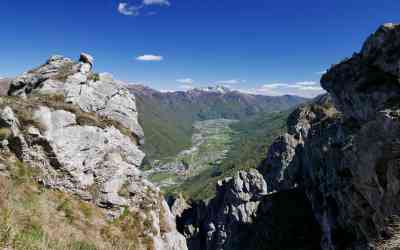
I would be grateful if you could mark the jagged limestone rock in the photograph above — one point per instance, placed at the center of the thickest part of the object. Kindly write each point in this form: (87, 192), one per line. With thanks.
(217, 226)
(276, 168)
(98, 161)
(106, 96)
(282, 168)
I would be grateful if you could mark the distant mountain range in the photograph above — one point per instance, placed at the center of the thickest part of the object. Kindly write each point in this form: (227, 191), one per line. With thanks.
(167, 117)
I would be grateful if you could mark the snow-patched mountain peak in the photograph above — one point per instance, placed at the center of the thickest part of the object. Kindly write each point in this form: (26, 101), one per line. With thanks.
(215, 89)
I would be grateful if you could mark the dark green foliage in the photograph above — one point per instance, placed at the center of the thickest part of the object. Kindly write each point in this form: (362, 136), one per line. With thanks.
(94, 77)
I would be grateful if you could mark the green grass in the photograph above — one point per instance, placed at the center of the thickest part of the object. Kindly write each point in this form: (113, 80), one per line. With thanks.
(160, 176)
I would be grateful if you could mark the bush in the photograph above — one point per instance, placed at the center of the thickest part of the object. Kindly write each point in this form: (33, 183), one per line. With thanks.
(5, 133)
(94, 77)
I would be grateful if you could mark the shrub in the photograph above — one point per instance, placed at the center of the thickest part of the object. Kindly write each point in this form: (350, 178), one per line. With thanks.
(94, 77)
(5, 133)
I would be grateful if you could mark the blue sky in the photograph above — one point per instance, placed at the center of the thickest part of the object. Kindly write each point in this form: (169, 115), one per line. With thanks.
(260, 46)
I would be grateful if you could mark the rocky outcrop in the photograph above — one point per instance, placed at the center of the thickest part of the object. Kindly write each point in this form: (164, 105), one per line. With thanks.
(282, 167)
(244, 216)
(97, 93)
(364, 84)
(235, 204)
(355, 175)
(346, 155)
(81, 130)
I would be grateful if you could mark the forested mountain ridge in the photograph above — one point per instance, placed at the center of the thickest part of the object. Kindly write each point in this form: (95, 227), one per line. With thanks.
(168, 117)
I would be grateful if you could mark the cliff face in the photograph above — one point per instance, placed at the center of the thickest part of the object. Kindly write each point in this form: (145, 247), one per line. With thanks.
(352, 170)
(343, 148)
(80, 130)
(341, 153)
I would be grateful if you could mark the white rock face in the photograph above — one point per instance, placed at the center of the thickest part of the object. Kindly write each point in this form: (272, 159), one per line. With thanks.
(83, 151)
(106, 98)
(97, 163)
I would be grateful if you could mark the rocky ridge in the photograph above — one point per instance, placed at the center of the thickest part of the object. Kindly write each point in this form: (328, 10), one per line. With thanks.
(341, 154)
(80, 130)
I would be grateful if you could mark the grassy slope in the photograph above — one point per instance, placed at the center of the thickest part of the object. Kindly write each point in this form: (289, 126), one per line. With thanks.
(249, 147)
(166, 132)
(36, 218)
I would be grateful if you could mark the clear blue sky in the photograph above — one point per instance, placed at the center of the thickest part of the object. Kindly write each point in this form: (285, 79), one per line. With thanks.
(245, 44)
